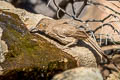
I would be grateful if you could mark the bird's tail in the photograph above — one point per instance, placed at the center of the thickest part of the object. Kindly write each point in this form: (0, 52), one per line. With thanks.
(104, 58)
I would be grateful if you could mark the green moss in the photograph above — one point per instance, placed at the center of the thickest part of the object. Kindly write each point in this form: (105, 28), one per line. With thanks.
(27, 50)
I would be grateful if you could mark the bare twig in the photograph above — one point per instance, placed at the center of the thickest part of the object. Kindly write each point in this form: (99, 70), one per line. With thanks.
(107, 24)
(101, 36)
(90, 20)
(61, 9)
(81, 9)
(95, 3)
(116, 5)
(104, 19)
(73, 9)
(49, 3)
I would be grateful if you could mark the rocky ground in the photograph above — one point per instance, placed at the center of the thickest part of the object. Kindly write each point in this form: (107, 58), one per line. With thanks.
(29, 56)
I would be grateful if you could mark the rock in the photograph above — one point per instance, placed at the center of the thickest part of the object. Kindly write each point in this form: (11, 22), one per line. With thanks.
(114, 76)
(1, 70)
(28, 53)
(5, 5)
(3, 48)
(116, 60)
(40, 6)
(81, 73)
(84, 56)
(29, 19)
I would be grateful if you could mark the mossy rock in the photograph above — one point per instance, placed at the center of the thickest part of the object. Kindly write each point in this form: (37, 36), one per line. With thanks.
(29, 56)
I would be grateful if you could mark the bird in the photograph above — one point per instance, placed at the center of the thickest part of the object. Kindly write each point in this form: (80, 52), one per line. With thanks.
(68, 34)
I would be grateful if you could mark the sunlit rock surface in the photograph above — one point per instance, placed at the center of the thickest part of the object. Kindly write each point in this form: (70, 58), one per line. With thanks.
(81, 73)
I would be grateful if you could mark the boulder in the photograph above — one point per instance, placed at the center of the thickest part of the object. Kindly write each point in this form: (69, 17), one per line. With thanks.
(27, 56)
(81, 73)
